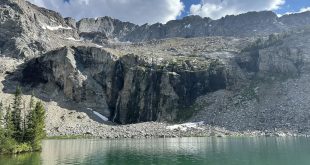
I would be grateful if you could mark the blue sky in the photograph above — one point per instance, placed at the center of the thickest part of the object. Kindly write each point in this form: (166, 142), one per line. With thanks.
(293, 6)
(187, 5)
(153, 11)
(289, 6)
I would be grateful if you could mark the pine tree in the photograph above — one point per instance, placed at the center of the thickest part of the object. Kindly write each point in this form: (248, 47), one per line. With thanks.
(36, 125)
(9, 126)
(6, 140)
(29, 121)
(1, 115)
(24, 125)
(32, 102)
(16, 114)
(1, 124)
(3, 139)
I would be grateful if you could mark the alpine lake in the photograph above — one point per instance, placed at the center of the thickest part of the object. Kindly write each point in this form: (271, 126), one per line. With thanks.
(169, 151)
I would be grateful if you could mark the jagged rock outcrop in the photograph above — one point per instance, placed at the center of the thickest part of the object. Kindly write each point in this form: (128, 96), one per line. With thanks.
(28, 30)
(296, 20)
(134, 88)
(244, 25)
(277, 94)
(75, 72)
(106, 26)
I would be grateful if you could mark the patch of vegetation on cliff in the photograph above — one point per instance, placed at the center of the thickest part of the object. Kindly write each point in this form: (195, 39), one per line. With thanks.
(261, 43)
(21, 129)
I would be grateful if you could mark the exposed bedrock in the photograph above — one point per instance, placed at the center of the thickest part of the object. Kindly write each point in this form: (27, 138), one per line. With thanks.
(134, 88)
(277, 96)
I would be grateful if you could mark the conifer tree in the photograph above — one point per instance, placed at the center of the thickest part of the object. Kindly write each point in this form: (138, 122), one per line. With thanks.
(29, 121)
(16, 114)
(32, 102)
(1, 115)
(36, 125)
(9, 126)
(1, 124)
(2, 131)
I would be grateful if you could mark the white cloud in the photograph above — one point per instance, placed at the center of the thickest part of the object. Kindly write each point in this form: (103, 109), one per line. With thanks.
(136, 11)
(218, 8)
(304, 9)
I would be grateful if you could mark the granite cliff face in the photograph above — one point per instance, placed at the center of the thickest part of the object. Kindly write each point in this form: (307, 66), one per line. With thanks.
(27, 30)
(104, 26)
(232, 72)
(134, 88)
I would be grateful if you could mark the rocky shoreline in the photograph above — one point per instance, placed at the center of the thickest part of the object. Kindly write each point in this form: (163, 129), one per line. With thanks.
(161, 130)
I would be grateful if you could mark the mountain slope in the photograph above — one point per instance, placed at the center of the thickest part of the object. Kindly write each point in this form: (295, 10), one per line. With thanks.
(28, 30)
(232, 72)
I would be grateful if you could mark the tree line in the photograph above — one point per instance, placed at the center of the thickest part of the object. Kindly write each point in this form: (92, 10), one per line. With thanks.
(22, 127)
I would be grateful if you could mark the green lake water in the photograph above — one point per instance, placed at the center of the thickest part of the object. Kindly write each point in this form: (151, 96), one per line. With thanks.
(187, 151)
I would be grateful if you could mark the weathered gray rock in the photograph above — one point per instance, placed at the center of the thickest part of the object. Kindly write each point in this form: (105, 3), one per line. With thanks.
(134, 88)
(105, 26)
(27, 31)
(244, 25)
(277, 94)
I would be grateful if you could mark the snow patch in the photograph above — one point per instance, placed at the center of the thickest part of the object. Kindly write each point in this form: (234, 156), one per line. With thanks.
(174, 73)
(99, 46)
(73, 39)
(185, 126)
(101, 116)
(52, 28)
(188, 26)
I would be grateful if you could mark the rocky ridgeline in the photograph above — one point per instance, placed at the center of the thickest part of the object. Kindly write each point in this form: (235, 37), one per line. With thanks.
(229, 72)
(28, 30)
(243, 25)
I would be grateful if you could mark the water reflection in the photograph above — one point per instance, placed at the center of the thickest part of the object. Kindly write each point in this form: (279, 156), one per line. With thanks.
(214, 151)
(22, 159)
